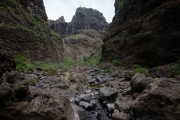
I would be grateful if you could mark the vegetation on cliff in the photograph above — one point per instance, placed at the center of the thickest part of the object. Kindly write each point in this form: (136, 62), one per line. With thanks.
(24, 30)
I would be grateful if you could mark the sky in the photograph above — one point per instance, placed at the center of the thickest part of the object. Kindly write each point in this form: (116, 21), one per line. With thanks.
(67, 8)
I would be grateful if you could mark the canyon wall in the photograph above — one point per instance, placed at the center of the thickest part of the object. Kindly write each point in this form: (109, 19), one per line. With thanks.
(144, 32)
(24, 30)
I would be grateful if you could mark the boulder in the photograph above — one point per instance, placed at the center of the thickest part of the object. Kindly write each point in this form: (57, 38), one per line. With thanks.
(106, 93)
(86, 97)
(110, 107)
(144, 83)
(123, 104)
(119, 115)
(160, 100)
(135, 81)
(85, 105)
(128, 74)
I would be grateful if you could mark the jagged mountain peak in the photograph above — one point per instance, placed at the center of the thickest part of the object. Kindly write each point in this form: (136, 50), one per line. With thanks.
(84, 19)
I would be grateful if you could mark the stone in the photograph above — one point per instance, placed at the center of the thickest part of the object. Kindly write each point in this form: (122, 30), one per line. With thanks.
(106, 93)
(110, 107)
(93, 103)
(39, 68)
(144, 83)
(85, 105)
(72, 111)
(86, 97)
(91, 79)
(160, 100)
(7, 63)
(135, 81)
(123, 104)
(64, 87)
(5, 92)
(119, 115)
(75, 100)
(128, 75)
(100, 78)
(21, 90)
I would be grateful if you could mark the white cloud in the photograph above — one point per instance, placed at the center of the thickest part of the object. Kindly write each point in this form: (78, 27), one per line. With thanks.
(67, 8)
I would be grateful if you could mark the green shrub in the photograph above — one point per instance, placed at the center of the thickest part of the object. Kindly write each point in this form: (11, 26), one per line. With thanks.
(50, 68)
(108, 71)
(116, 62)
(51, 71)
(22, 63)
(135, 66)
(31, 81)
(175, 70)
(142, 71)
(30, 67)
(54, 34)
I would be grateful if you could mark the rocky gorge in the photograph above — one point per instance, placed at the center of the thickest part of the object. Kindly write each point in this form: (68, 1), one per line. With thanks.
(86, 93)
(83, 36)
(115, 90)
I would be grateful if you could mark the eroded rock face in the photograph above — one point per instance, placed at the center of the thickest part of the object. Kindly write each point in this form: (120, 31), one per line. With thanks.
(6, 63)
(24, 30)
(84, 19)
(159, 101)
(144, 32)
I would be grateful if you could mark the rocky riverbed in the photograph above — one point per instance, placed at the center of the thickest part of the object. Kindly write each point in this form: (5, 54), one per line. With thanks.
(86, 93)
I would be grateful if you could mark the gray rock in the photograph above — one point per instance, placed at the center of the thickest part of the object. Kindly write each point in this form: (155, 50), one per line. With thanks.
(128, 75)
(93, 102)
(91, 79)
(135, 81)
(110, 107)
(146, 82)
(39, 73)
(100, 78)
(119, 115)
(159, 101)
(107, 92)
(84, 105)
(108, 79)
(64, 87)
(123, 104)
(86, 97)
(75, 100)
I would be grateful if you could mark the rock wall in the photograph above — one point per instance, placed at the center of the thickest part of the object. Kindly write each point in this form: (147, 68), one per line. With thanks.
(144, 32)
(84, 19)
(24, 30)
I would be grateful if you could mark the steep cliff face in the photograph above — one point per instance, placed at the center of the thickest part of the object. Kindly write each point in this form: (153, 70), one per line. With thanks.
(24, 30)
(84, 19)
(144, 32)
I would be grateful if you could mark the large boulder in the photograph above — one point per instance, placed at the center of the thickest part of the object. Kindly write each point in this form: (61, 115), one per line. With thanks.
(135, 81)
(160, 100)
(139, 82)
(123, 104)
(106, 93)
